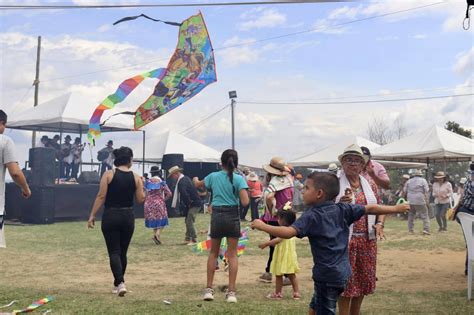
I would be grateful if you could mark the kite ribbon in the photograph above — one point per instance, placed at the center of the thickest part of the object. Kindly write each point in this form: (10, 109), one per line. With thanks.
(124, 89)
(34, 305)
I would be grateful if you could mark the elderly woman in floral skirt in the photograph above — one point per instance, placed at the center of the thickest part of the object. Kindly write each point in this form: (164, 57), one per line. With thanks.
(156, 214)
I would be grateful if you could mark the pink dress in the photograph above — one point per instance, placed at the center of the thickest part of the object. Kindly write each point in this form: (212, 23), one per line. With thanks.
(156, 215)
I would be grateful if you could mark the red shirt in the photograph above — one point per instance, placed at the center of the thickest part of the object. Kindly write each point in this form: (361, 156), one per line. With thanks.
(255, 189)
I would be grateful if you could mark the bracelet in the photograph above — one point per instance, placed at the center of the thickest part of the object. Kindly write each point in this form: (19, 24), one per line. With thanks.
(380, 223)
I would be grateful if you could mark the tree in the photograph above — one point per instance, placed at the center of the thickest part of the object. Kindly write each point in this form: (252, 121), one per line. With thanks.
(455, 127)
(380, 132)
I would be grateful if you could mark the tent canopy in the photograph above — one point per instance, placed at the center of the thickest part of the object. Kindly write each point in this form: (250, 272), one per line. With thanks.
(173, 143)
(68, 113)
(331, 153)
(429, 145)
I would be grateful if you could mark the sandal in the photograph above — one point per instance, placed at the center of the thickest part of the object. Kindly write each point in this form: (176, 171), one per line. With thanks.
(275, 296)
(296, 296)
(156, 240)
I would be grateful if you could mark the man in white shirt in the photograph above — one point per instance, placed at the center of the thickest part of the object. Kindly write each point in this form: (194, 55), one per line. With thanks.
(8, 161)
(417, 192)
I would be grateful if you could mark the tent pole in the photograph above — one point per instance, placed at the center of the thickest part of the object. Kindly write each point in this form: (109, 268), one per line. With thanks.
(80, 136)
(143, 156)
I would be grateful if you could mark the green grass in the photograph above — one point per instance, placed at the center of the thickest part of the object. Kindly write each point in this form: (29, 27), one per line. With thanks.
(69, 262)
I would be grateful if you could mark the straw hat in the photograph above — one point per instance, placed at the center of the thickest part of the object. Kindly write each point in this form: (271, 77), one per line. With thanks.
(277, 166)
(417, 173)
(440, 175)
(463, 180)
(353, 149)
(299, 176)
(253, 177)
(174, 169)
(406, 176)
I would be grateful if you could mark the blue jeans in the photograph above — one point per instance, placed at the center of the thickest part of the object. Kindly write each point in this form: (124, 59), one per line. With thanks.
(325, 297)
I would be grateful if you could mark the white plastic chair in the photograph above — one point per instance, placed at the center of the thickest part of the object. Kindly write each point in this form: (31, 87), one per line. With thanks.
(467, 223)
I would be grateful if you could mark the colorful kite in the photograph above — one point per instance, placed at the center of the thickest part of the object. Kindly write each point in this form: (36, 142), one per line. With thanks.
(34, 305)
(191, 69)
(206, 245)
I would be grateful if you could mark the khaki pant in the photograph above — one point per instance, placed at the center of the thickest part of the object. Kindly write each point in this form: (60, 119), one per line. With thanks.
(422, 212)
(190, 219)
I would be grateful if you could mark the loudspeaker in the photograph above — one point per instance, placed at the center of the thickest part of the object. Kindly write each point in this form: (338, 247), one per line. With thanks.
(39, 208)
(89, 178)
(42, 163)
(170, 160)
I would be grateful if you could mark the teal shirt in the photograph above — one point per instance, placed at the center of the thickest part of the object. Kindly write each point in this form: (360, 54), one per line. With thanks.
(222, 192)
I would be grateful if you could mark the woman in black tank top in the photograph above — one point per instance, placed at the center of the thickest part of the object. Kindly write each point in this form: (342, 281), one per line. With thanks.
(118, 188)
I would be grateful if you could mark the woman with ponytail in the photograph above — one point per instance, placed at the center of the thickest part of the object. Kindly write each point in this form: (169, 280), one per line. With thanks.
(228, 188)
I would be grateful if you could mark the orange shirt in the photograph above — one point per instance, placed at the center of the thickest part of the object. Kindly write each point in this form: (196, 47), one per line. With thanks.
(255, 189)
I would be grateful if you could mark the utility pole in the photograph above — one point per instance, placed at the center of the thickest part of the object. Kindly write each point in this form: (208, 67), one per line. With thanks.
(233, 96)
(36, 84)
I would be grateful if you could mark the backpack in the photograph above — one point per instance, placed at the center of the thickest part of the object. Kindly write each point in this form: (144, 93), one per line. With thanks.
(102, 155)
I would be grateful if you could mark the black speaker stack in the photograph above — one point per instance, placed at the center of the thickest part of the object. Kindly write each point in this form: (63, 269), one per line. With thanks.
(39, 208)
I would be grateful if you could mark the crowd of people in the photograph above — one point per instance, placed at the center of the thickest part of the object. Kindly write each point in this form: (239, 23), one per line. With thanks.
(341, 213)
(67, 154)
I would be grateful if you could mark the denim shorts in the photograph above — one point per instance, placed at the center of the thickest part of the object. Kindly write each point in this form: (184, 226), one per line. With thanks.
(225, 222)
(325, 297)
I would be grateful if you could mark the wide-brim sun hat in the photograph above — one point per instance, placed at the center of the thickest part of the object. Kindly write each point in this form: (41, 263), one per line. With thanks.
(440, 175)
(174, 169)
(353, 149)
(277, 166)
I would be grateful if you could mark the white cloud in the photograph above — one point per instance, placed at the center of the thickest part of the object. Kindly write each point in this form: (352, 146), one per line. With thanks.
(451, 11)
(419, 36)
(261, 18)
(464, 63)
(241, 53)
(387, 38)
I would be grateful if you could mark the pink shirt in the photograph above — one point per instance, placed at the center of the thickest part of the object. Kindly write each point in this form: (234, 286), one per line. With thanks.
(255, 189)
(442, 192)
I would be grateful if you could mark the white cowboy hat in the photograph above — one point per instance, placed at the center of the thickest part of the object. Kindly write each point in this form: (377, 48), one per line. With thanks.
(353, 149)
(253, 177)
(174, 169)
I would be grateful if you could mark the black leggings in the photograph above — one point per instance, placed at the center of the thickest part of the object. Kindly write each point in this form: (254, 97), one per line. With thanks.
(272, 248)
(118, 226)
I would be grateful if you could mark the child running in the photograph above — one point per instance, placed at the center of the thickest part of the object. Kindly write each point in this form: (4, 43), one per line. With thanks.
(326, 224)
(228, 189)
(285, 261)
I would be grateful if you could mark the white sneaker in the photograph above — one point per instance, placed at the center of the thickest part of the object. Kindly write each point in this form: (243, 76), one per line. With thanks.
(115, 290)
(230, 297)
(208, 294)
(122, 290)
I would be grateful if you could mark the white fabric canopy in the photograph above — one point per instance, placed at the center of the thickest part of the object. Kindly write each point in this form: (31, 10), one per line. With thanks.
(173, 143)
(429, 145)
(329, 154)
(69, 112)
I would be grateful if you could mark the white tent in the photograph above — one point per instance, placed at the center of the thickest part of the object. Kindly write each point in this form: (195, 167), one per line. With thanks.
(330, 154)
(173, 143)
(69, 113)
(429, 145)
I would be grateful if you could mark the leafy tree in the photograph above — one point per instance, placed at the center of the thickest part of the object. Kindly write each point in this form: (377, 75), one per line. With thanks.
(455, 127)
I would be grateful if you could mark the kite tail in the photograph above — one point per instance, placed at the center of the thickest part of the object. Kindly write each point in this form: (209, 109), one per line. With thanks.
(130, 18)
(124, 89)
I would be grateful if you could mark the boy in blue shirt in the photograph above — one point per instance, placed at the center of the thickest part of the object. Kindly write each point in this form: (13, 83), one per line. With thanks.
(326, 224)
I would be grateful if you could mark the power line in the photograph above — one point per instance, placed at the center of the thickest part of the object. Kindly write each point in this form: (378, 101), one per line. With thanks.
(402, 91)
(357, 102)
(163, 5)
(320, 28)
(202, 121)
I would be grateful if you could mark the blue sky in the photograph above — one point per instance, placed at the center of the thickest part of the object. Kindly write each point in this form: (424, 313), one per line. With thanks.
(411, 54)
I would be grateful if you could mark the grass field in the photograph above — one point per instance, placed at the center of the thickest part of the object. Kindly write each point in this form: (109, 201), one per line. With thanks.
(416, 274)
